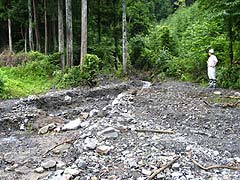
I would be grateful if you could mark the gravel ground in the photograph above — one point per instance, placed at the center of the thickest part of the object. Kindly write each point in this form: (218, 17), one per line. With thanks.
(120, 131)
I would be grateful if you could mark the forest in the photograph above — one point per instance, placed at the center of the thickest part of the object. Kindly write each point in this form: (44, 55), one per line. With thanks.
(58, 44)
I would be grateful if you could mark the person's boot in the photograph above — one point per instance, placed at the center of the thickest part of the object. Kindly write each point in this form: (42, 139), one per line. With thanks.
(214, 83)
(210, 83)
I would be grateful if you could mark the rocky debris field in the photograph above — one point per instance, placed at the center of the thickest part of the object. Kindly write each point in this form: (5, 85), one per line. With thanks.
(131, 130)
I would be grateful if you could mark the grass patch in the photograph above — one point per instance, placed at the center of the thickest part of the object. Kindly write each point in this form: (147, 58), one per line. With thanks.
(16, 86)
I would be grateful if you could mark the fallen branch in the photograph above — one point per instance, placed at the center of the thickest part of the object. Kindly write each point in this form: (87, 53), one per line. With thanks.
(214, 166)
(232, 97)
(64, 142)
(155, 131)
(231, 105)
(226, 105)
(163, 168)
(209, 105)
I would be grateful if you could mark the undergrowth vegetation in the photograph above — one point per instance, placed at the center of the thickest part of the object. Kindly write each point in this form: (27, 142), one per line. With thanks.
(40, 73)
(178, 47)
(174, 47)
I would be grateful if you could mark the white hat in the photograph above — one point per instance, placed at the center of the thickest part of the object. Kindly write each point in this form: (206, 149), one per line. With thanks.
(211, 51)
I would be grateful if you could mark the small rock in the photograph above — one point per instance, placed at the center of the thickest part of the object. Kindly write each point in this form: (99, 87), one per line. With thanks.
(90, 143)
(103, 149)
(75, 124)
(93, 112)
(102, 113)
(22, 127)
(161, 176)
(61, 165)
(81, 164)
(22, 170)
(39, 170)
(176, 166)
(83, 178)
(237, 94)
(215, 153)
(71, 171)
(49, 164)
(62, 148)
(237, 159)
(132, 163)
(84, 115)
(141, 178)
(176, 174)
(217, 92)
(68, 99)
(77, 178)
(10, 168)
(84, 124)
(43, 130)
(94, 178)
(189, 148)
(47, 128)
(109, 132)
(146, 172)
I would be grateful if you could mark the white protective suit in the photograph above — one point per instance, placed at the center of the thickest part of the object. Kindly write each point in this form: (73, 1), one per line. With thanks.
(212, 61)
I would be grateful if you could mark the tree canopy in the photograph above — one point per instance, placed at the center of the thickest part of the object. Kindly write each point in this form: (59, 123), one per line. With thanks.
(164, 37)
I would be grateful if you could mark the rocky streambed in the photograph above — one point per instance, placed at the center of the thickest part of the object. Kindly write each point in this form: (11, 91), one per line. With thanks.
(131, 130)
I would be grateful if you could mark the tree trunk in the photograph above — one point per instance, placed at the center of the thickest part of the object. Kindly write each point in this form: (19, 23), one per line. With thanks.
(25, 39)
(31, 45)
(10, 34)
(230, 34)
(61, 33)
(115, 35)
(53, 25)
(35, 12)
(99, 21)
(69, 35)
(46, 27)
(83, 33)
(124, 43)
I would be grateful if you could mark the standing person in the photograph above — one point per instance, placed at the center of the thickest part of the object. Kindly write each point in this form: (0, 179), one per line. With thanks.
(212, 62)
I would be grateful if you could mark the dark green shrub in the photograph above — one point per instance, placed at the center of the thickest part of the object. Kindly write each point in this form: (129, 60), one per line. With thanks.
(70, 77)
(228, 77)
(1, 86)
(40, 65)
(73, 77)
(137, 56)
(106, 52)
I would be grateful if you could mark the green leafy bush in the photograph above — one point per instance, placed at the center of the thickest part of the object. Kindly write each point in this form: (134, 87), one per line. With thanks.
(136, 51)
(1, 85)
(73, 77)
(228, 77)
(70, 77)
(153, 50)
(32, 76)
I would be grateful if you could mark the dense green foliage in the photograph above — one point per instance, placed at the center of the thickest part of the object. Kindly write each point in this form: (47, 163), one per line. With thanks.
(178, 47)
(41, 73)
(31, 77)
(73, 77)
(166, 38)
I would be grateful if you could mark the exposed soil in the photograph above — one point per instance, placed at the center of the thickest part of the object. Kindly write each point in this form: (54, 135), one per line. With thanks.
(107, 143)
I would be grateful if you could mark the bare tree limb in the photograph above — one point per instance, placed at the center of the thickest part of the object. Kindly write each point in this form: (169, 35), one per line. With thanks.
(64, 142)
(215, 166)
(163, 168)
(155, 131)
(209, 105)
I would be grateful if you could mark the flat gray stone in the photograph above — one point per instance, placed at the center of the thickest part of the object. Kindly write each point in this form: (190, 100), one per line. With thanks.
(49, 164)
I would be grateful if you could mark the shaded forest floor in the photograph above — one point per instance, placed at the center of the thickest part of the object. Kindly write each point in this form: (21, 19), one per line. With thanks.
(122, 130)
